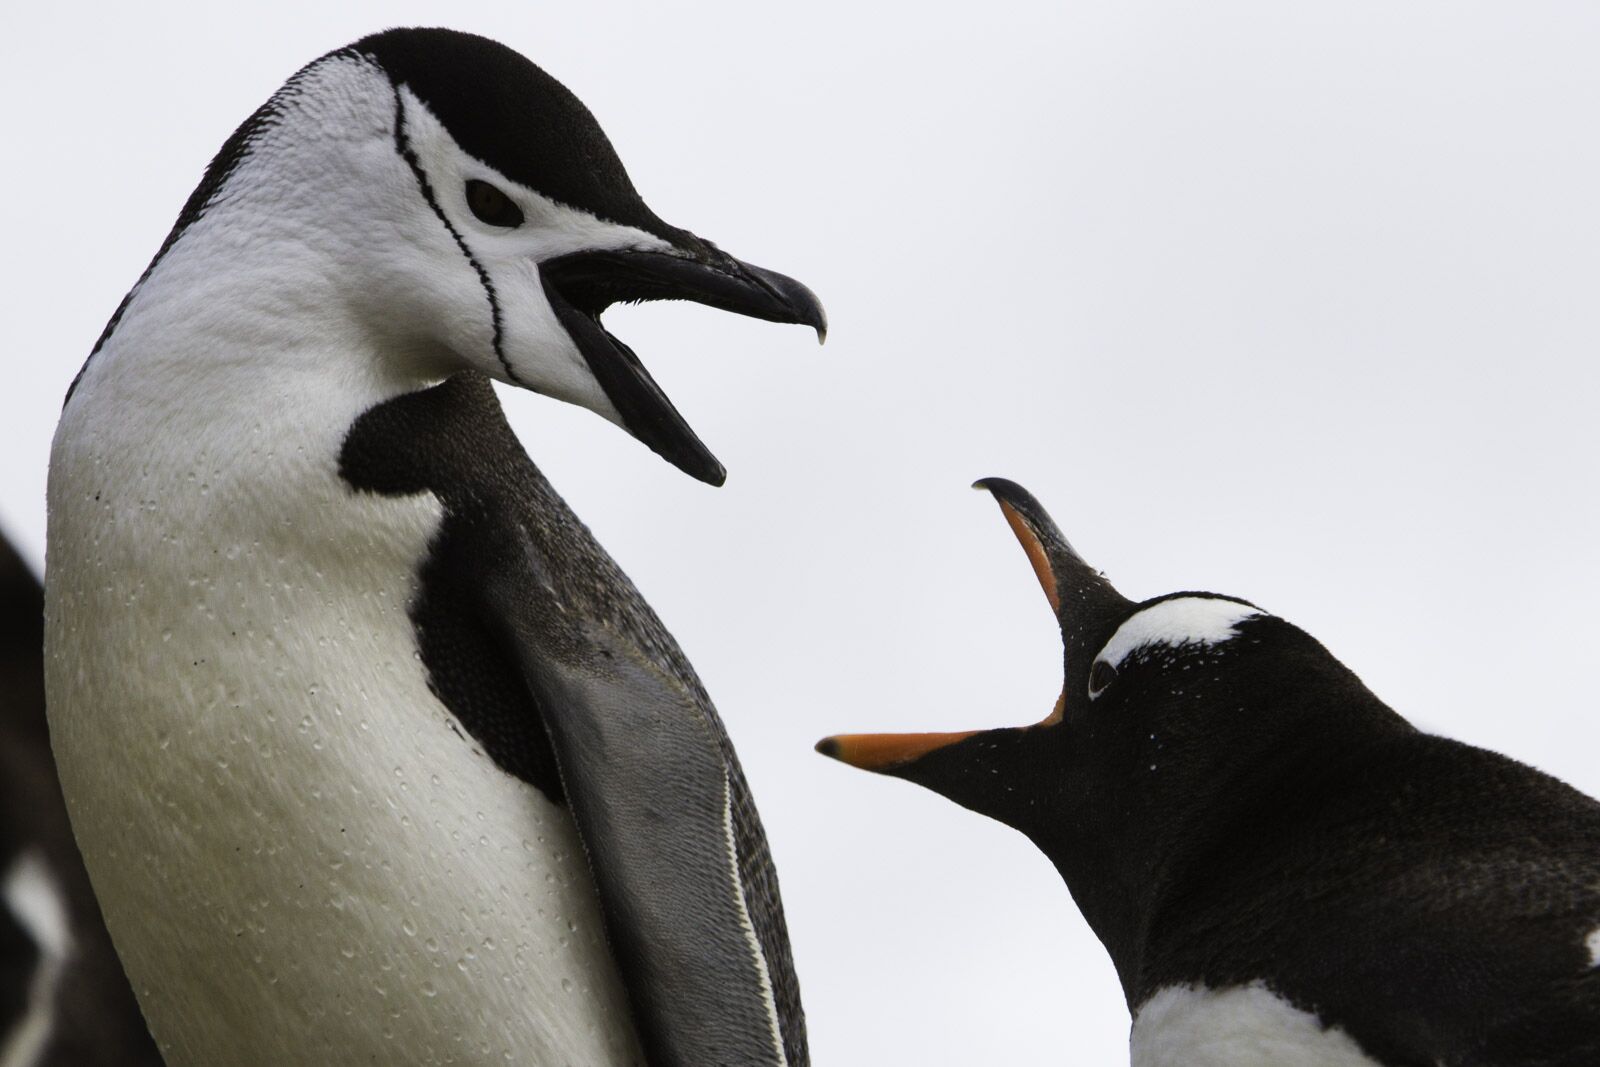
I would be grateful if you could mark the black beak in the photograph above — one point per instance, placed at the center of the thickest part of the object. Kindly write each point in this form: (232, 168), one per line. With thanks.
(581, 285)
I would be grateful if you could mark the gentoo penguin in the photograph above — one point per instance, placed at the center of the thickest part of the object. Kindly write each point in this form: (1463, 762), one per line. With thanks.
(374, 755)
(1284, 871)
(64, 1001)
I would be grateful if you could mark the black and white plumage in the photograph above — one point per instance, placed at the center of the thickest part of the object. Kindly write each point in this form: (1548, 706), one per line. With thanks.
(64, 1001)
(374, 754)
(649, 773)
(1284, 871)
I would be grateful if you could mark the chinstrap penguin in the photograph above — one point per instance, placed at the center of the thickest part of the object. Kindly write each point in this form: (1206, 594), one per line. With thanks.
(64, 1001)
(1284, 871)
(362, 734)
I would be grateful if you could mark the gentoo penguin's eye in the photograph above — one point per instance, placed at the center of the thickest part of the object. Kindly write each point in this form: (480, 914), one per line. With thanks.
(492, 206)
(1101, 675)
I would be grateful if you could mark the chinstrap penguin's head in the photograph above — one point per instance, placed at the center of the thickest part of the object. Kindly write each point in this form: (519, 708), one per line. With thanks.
(1173, 713)
(434, 197)
(520, 173)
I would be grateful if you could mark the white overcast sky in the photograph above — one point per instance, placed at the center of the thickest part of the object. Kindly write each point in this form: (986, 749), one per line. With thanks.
(1299, 302)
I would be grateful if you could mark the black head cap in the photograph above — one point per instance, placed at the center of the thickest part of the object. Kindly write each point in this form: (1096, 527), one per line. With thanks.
(482, 91)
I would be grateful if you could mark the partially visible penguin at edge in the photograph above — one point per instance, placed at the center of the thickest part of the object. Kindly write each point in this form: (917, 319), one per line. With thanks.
(64, 1001)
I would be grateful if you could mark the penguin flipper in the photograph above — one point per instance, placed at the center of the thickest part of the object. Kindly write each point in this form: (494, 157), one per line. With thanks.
(654, 799)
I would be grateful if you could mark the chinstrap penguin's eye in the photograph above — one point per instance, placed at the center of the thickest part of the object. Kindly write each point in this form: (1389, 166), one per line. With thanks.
(1101, 675)
(492, 206)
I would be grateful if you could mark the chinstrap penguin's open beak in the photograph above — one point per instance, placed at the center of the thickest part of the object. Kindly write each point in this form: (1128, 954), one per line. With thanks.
(1083, 602)
(581, 285)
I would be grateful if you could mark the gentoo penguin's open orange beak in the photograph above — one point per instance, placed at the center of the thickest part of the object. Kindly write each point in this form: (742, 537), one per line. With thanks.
(1060, 570)
(882, 752)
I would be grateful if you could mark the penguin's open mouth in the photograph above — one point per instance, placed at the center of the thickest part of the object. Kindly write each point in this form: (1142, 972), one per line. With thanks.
(1085, 606)
(581, 285)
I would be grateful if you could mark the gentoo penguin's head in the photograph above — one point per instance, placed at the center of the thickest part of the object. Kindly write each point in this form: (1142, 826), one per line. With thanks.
(1172, 713)
(478, 218)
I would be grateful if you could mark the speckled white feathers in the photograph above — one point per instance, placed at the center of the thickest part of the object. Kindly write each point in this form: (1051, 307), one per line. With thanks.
(300, 858)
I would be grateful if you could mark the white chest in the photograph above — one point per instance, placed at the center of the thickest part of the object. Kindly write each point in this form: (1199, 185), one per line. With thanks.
(1240, 1026)
(300, 857)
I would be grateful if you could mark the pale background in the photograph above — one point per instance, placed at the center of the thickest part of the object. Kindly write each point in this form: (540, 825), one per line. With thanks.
(1297, 302)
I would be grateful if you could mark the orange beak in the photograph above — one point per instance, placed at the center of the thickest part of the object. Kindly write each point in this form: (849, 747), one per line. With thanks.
(882, 752)
(885, 752)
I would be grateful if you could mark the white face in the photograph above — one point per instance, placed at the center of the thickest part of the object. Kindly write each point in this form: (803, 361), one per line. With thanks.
(1182, 621)
(507, 329)
(347, 220)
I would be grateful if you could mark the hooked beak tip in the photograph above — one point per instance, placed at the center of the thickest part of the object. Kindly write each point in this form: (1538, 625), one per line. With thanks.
(803, 304)
(786, 300)
(1007, 492)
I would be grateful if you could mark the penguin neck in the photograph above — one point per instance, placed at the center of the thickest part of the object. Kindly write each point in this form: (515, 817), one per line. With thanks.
(272, 287)
(242, 319)
(1149, 856)
(226, 394)
(246, 335)
(256, 360)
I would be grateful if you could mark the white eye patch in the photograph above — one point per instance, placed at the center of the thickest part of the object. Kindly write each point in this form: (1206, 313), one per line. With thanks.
(1185, 620)
(552, 228)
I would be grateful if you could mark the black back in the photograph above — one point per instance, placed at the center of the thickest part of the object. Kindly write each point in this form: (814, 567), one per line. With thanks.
(1249, 811)
(1431, 898)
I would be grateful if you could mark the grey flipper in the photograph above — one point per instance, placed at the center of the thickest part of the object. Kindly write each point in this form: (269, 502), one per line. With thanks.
(553, 662)
(646, 781)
